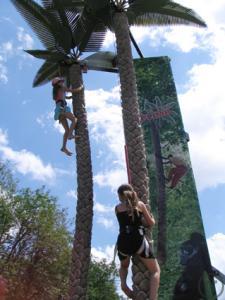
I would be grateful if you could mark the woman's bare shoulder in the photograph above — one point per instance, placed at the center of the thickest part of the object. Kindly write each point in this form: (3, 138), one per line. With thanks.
(120, 207)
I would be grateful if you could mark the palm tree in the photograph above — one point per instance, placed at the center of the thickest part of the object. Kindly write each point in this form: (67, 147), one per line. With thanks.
(63, 50)
(118, 15)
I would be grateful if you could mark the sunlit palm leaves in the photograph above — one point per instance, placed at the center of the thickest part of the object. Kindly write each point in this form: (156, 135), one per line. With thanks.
(49, 31)
(139, 12)
(162, 12)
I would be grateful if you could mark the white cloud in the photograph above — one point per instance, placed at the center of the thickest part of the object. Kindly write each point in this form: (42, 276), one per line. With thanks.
(216, 245)
(203, 110)
(3, 138)
(14, 48)
(58, 127)
(103, 215)
(26, 162)
(7, 48)
(3, 74)
(72, 194)
(3, 68)
(212, 11)
(25, 39)
(106, 222)
(101, 253)
(109, 40)
(100, 208)
(46, 119)
(112, 178)
(2, 19)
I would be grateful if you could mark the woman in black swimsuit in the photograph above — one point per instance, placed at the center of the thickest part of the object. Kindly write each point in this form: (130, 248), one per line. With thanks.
(131, 240)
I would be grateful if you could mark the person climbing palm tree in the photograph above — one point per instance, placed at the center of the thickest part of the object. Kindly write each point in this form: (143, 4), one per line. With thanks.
(63, 112)
(132, 241)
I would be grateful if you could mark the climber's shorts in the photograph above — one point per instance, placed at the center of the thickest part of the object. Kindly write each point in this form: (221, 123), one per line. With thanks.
(144, 251)
(59, 109)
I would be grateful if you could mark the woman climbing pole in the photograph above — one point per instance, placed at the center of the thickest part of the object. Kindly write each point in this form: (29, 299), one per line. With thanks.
(132, 241)
(63, 112)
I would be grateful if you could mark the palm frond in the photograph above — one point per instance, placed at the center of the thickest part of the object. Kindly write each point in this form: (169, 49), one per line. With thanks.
(58, 8)
(93, 38)
(55, 4)
(89, 32)
(52, 56)
(46, 73)
(35, 16)
(144, 12)
(87, 28)
(102, 61)
(81, 24)
(46, 27)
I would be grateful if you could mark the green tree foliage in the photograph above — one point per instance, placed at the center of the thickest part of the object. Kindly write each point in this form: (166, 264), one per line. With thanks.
(101, 281)
(34, 244)
(35, 247)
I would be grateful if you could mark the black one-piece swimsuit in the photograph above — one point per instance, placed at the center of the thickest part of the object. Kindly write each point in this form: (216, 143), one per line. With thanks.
(131, 236)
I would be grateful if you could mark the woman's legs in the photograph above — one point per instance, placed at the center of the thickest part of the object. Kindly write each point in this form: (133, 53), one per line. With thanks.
(65, 125)
(73, 124)
(124, 265)
(154, 269)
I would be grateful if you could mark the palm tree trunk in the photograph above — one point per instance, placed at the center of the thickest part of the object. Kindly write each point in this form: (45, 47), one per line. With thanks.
(84, 211)
(132, 131)
(161, 195)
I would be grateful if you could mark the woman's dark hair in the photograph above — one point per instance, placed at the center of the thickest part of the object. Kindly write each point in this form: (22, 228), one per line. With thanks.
(127, 192)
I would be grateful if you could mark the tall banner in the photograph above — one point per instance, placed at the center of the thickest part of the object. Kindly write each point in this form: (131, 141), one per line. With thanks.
(179, 238)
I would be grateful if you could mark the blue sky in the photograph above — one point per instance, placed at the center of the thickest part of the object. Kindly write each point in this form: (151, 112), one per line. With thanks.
(30, 139)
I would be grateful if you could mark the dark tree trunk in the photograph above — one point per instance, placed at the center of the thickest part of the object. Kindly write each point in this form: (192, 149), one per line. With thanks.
(161, 195)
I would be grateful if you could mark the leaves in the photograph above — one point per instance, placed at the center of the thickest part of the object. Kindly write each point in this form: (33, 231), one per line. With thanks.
(47, 72)
(35, 244)
(101, 281)
(48, 55)
(89, 32)
(102, 61)
(50, 32)
(35, 248)
(162, 12)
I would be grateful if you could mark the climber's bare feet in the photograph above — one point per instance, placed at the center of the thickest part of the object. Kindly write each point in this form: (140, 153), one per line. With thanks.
(66, 151)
